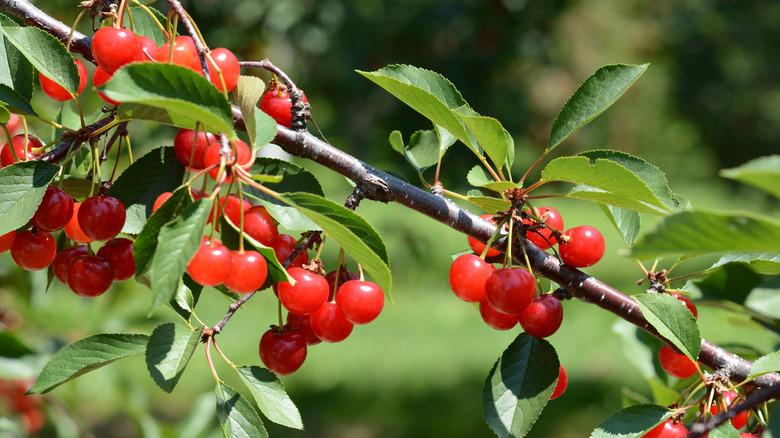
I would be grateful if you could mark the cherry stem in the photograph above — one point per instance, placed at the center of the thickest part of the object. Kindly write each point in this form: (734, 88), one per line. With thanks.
(216, 347)
(209, 340)
(764, 395)
(533, 166)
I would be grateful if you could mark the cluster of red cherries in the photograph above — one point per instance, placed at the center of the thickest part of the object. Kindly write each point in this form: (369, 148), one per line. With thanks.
(28, 407)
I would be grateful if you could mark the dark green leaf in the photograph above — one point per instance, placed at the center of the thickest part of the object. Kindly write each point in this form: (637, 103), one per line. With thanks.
(765, 263)
(488, 132)
(140, 184)
(169, 351)
(479, 177)
(182, 93)
(144, 24)
(15, 100)
(86, 355)
(21, 79)
(79, 188)
(672, 319)
(627, 222)
(270, 396)
(178, 242)
(22, 186)
(704, 232)
(763, 173)
(46, 53)
(519, 386)
(236, 415)
(145, 244)
(593, 97)
(765, 364)
(632, 422)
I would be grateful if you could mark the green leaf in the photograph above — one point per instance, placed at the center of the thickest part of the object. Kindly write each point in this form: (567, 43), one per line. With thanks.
(178, 242)
(248, 92)
(169, 351)
(765, 299)
(487, 203)
(46, 53)
(672, 319)
(479, 177)
(488, 132)
(15, 100)
(144, 24)
(763, 173)
(764, 263)
(627, 222)
(638, 352)
(183, 94)
(186, 298)
(764, 365)
(604, 181)
(19, 75)
(422, 151)
(270, 396)
(632, 422)
(519, 386)
(146, 242)
(593, 97)
(140, 184)
(22, 186)
(725, 430)
(236, 415)
(706, 232)
(87, 355)
(358, 238)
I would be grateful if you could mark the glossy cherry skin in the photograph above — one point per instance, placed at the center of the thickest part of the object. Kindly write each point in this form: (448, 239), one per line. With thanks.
(184, 54)
(495, 319)
(234, 208)
(282, 352)
(14, 124)
(284, 246)
(479, 247)
(510, 290)
(56, 91)
(54, 211)
(667, 429)
(101, 217)
(164, 196)
(73, 229)
(468, 275)
(242, 154)
(542, 236)
(259, 225)
(248, 272)
(329, 324)
(211, 264)
(677, 365)
(113, 47)
(305, 296)
(62, 261)
(7, 241)
(228, 64)
(278, 105)
(688, 303)
(542, 317)
(119, 253)
(585, 247)
(560, 386)
(360, 301)
(147, 50)
(730, 398)
(302, 323)
(90, 276)
(33, 251)
(185, 141)
(100, 77)
(17, 143)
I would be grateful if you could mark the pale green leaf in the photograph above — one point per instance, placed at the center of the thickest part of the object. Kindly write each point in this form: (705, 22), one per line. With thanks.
(763, 173)
(479, 177)
(627, 222)
(764, 365)
(271, 397)
(489, 134)
(763, 263)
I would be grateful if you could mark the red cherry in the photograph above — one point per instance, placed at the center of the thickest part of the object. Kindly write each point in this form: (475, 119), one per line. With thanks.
(479, 247)
(560, 386)
(283, 352)
(584, 248)
(54, 211)
(278, 105)
(211, 264)
(667, 429)
(284, 246)
(164, 196)
(243, 157)
(542, 317)
(14, 123)
(90, 276)
(113, 47)
(542, 236)
(259, 225)
(101, 217)
(33, 420)
(248, 273)
(62, 261)
(344, 276)
(468, 275)
(730, 398)
(33, 251)
(184, 54)
(305, 296)
(184, 142)
(32, 147)
(100, 77)
(329, 324)
(510, 290)
(495, 319)
(7, 241)
(73, 229)
(119, 253)
(228, 64)
(302, 323)
(360, 301)
(147, 50)
(688, 303)
(677, 365)
(56, 91)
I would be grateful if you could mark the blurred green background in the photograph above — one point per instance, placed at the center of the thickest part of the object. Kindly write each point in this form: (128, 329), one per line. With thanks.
(710, 100)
